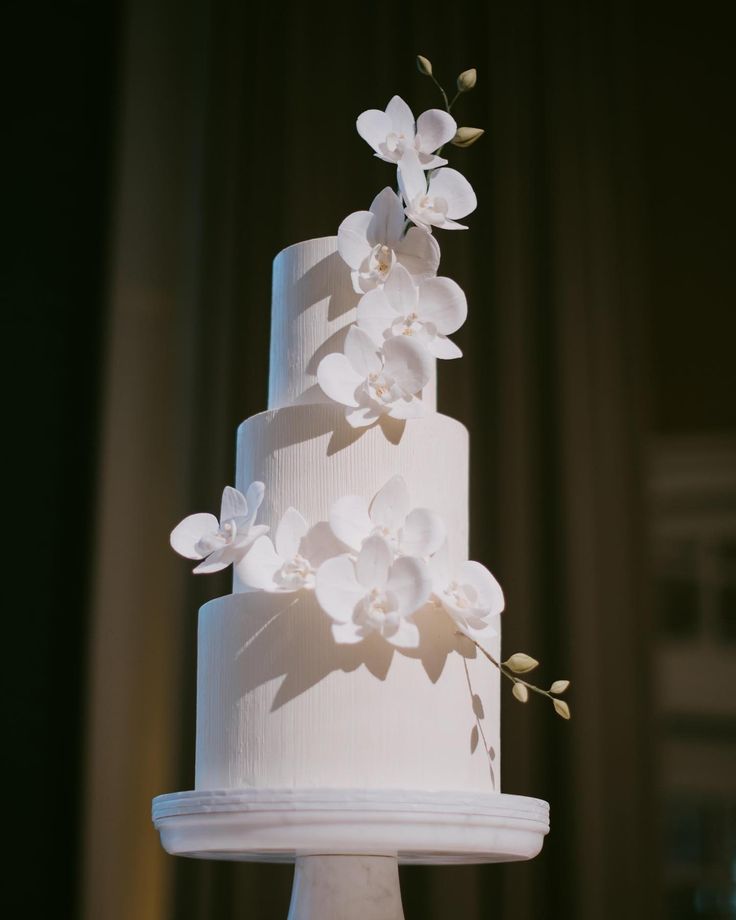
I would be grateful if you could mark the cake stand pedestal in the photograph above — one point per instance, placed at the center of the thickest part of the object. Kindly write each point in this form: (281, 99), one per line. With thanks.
(348, 844)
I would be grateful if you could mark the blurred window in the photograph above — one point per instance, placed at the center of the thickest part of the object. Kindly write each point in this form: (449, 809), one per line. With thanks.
(693, 526)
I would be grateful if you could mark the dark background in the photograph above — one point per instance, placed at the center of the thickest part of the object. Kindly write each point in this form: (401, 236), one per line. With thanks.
(163, 153)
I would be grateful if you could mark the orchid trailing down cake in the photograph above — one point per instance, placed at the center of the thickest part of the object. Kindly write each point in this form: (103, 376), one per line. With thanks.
(355, 651)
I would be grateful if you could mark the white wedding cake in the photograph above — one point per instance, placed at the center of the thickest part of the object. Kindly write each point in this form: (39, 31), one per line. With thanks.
(351, 680)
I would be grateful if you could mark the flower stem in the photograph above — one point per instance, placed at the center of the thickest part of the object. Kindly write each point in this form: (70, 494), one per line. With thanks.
(444, 94)
(448, 108)
(507, 672)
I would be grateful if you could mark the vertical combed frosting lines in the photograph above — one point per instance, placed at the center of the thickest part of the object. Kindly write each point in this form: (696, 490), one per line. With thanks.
(281, 705)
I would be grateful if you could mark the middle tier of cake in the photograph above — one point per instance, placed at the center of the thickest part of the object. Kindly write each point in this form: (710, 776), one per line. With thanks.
(308, 457)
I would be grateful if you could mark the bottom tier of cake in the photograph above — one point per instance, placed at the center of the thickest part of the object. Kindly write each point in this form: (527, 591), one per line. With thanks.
(280, 705)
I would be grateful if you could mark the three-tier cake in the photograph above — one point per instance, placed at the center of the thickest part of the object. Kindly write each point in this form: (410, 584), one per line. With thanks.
(345, 699)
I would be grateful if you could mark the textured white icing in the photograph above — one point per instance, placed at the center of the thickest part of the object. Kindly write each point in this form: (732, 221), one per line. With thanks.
(313, 304)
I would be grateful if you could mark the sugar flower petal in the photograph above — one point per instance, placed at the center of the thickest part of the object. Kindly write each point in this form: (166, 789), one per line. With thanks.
(411, 177)
(419, 253)
(476, 629)
(215, 562)
(337, 589)
(401, 291)
(259, 565)
(350, 521)
(185, 536)
(423, 533)
(245, 538)
(408, 407)
(402, 119)
(320, 543)
(374, 126)
(234, 504)
(390, 504)
(338, 379)
(407, 363)
(410, 583)
(387, 219)
(289, 534)
(454, 188)
(443, 303)
(442, 347)
(487, 590)
(362, 352)
(472, 597)
(448, 224)
(352, 238)
(375, 315)
(373, 563)
(435, 128)
(254, 498)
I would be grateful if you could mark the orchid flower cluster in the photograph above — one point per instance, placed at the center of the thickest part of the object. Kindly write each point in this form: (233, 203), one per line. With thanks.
(406, 313)
(372, 566)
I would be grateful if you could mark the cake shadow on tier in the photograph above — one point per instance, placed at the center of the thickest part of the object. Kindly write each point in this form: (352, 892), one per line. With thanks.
(280, 627)
(286, 427)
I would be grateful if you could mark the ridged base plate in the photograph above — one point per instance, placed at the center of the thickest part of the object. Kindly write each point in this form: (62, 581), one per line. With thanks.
(262, 825)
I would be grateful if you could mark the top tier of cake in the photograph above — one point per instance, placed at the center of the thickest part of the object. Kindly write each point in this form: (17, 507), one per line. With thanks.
(313, 305)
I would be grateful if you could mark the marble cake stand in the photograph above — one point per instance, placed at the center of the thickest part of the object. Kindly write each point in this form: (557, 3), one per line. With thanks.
(348, 844)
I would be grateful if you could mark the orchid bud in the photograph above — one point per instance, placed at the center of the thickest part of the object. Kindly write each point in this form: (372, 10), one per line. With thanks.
(520, 663)
(466, 80)
(466, 136)
(520, 692)
(424, 65)
(561, 708)
(559, 686)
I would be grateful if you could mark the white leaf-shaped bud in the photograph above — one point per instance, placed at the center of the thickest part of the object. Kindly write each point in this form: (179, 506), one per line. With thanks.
(466, 137)
(466, 80)
(520, 663)
(561, 708)
(559, 686)
(424, 65)
(520, 692)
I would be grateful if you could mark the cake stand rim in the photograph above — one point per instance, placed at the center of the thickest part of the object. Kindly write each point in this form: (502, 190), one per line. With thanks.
(415, 827)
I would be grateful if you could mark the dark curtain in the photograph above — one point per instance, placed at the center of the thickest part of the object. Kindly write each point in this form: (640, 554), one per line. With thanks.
(58, 64)
(233, 137)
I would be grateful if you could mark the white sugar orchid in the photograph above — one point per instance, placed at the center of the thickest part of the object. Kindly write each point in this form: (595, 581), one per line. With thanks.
(469, 594)
(373, 242)
(220, 543)
(393, 133)
(373, 593)
(447, 197)
(371, 381)
(407, 531)
(290, 562)
(428, 312)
